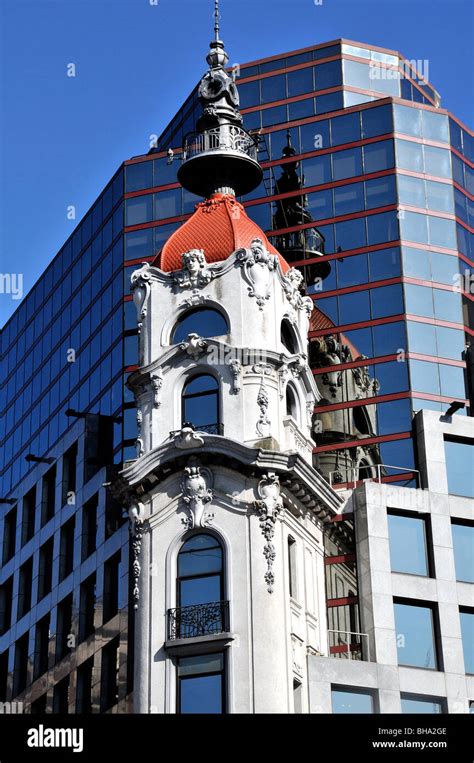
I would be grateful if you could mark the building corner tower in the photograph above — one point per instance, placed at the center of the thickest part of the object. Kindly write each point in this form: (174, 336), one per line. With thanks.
(227, 512)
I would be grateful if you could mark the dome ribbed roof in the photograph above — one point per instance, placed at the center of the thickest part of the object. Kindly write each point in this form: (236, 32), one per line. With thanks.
(219, 226)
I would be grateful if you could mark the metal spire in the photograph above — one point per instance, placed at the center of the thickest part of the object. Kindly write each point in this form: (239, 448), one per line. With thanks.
(216, 17)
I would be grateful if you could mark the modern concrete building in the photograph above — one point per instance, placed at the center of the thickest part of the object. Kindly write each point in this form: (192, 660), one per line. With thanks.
(361, 182)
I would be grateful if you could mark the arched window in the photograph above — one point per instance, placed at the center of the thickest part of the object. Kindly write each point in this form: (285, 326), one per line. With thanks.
(200, 404)
(288, 337)
(291, 404)
(204, 321)
(200, 571)
(201, 612)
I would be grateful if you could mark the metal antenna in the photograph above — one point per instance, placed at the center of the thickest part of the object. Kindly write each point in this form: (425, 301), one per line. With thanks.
(216, 16)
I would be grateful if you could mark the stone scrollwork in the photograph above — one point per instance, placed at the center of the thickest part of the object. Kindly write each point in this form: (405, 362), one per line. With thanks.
(135, 513)
(195, 271)
(140, 284)
(257, 264)
(196, 487)
(269, 507)
(195, 345)
(156, 379)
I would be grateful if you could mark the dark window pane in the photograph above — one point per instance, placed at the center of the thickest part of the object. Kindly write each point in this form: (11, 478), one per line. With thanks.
(350, 234)
(394, 417)
(139, 244)
(387, 300)
(301, 109)
(382, 227)
(380, 192)
(320, 205)
(378, 156)
(317, 170)
(167, 204)
(384, 263)
(345, 129)
(352, 305)
(377, 121)
(349, 198)
(274, 116)
(201, 590)
(201, 695)
(347, 163)
(407, 536)
(392, 377)
(138, 210)
(249, 93)
(328, 75)
(273, 88)
(300, 82)
(138, 176)
(204, 322)
(329, 102)
(352, 271)
(315, 136)
(415, 636)
(389, 338)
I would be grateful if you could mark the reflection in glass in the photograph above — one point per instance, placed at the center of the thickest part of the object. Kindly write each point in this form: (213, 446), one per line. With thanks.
(347, 701)
(415, 635)
(408, 551)
(460, 467)
(411, 703)
(463, 545)
(467, 632)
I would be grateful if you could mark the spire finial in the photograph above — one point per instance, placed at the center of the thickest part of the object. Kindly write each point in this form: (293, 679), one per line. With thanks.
(216, 17)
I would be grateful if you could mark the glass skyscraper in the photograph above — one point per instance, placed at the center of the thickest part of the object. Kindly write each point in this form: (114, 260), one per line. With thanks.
(367, 187)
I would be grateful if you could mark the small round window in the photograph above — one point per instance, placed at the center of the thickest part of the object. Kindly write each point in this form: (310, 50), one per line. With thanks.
(204, 321)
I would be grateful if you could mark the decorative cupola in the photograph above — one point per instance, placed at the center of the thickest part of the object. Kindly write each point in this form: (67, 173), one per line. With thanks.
(220, 156)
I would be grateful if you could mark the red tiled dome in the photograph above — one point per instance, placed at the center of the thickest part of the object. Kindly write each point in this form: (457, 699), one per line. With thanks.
(219, 226)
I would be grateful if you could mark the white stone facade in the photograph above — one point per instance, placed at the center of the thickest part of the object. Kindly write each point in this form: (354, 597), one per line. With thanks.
(252, 486)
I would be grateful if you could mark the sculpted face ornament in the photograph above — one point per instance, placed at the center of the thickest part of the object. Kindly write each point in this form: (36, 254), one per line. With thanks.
(195, 271)
(195, 345)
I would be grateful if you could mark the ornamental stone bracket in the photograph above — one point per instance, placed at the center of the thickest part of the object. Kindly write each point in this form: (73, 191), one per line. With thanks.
(196, 487)
(135, 513)
(141, 288)
(195, 271)
(263, 422)
(269, 507)
(156, 379)
(258, 266)
(236, 370)
(195, 345)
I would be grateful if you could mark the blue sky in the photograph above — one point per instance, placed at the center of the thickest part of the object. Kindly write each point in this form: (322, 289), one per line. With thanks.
(62, 138)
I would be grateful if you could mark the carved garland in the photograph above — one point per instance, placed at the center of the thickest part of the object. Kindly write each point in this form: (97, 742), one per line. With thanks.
(269, 507)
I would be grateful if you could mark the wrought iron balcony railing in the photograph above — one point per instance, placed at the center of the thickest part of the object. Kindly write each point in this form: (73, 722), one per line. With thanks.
(207, 428)
(226, 137)
(198, 620)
